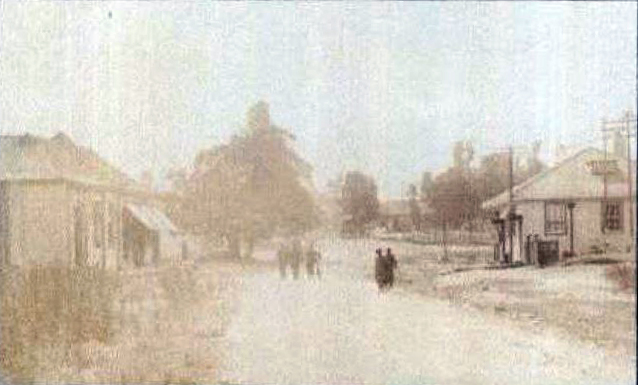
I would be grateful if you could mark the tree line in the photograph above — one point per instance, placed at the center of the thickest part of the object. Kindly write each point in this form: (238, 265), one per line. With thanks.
(453, 196)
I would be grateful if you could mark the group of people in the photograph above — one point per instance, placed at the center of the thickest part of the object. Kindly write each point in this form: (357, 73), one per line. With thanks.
(293, 254)
(384, 269)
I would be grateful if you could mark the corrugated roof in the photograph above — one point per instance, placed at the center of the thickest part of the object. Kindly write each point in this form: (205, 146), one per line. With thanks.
(572, 178)
(151, 218)
(33, 157)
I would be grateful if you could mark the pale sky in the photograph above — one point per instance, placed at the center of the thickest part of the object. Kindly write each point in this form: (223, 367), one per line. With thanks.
(377, 86)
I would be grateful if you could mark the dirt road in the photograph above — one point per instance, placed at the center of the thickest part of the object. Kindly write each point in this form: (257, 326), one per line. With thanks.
(341, 330)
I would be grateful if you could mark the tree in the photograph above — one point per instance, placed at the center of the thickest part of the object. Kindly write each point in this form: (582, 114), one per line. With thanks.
(253, 186)
(426, 185)
(177, 178)
(415, 210)
(359, 199)
(147, 180)
(463, 154)
(493, 173)
(451, 201)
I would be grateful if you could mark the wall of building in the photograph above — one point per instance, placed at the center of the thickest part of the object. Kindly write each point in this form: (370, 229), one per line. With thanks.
(4, 224)
(101, 220)
(41, 222)
(587, 226)
(39, 230)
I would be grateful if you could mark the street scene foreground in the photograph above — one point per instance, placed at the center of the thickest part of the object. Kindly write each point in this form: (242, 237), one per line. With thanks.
(318, 192)
(221, 322)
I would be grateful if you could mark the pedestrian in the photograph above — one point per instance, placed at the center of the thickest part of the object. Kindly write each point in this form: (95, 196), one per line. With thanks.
(312, 261)
(282, 257)
(295, 255)
(391, 265)
(380, 269)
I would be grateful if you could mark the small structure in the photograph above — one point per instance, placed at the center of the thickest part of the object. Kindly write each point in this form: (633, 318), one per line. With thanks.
(395, 215)
(580, 205)
(62, 204)
(149, 234)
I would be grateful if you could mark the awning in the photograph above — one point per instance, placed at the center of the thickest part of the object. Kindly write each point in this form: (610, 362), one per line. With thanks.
(151, 218)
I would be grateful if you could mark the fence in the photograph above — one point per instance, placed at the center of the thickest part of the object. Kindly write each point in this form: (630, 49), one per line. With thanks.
(452, 237)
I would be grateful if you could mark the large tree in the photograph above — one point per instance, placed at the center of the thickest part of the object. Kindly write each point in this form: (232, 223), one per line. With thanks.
(493, 174)
(426, 185)
(415, 210)
(359, 199)
(253, 186)
(453, 200)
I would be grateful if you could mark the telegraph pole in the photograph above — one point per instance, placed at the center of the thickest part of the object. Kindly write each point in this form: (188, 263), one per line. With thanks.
(510, 215)
(626, 123)
(628, 119)
(604, 221)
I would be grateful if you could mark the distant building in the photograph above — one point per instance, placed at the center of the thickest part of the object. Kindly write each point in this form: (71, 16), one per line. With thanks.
(395, 214)
(62, 204)
(570, 202)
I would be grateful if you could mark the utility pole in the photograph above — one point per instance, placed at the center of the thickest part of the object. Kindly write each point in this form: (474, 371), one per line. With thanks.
(511, 213)
(604, 220)
(628, 119)
(626, 123)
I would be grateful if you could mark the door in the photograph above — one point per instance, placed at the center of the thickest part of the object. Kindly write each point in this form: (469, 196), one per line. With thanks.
(547, 252)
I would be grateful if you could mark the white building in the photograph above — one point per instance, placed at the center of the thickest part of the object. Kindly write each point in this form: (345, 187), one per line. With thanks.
(582, 202)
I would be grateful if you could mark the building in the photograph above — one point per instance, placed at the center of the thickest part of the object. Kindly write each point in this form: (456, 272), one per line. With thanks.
(62, 204)
(396, 215)
(580, 205)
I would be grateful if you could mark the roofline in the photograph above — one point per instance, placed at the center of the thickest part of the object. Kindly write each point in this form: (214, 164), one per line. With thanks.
(490, 203)
(84, 184)
(563, 199)
(87, 149)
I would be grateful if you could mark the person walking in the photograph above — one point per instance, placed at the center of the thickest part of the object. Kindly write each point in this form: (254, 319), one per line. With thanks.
(283, 259)
(296, 254)
(380, 269)
(391, 265)
(312, 261)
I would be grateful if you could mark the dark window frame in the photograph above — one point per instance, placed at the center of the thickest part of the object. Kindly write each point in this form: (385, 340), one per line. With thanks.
(558, 226)
(619, 220)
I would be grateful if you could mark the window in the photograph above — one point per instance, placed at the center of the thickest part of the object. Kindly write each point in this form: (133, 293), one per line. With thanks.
(612, 216)
(555, 214)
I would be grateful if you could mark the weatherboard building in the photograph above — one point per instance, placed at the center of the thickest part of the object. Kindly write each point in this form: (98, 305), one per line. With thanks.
(61, 204)
(581, 205)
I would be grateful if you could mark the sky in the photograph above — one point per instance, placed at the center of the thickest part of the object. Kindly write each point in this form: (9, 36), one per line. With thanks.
(380, 87)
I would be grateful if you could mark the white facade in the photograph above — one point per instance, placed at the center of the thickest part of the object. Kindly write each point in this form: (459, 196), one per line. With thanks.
(601, 213)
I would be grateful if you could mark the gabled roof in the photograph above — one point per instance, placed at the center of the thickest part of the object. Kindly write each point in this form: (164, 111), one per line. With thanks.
(572, 178)
(29, 157)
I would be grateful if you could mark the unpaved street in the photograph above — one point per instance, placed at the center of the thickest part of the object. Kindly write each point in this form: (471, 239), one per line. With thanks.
(341, 330)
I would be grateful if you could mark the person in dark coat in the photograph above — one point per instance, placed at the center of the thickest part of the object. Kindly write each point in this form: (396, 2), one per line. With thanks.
(295, 255)
(391, 265)
(380, 269)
